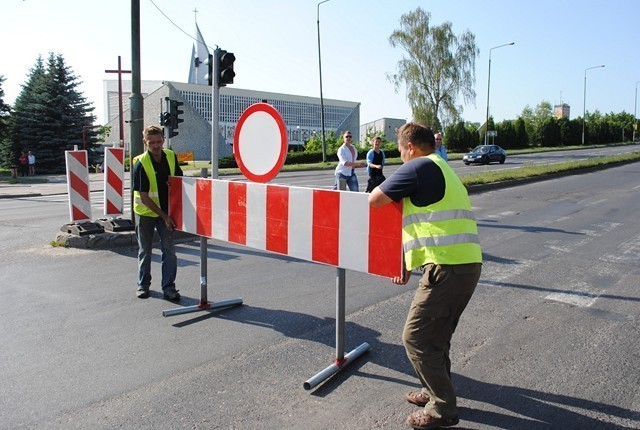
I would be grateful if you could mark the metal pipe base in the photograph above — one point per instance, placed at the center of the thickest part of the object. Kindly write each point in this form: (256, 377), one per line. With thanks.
(336, 367)
(200, 307)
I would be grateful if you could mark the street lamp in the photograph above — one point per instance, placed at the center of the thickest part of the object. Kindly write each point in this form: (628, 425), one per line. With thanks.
(635, 121)
(324, 155)
(486, 124)
(584, 102)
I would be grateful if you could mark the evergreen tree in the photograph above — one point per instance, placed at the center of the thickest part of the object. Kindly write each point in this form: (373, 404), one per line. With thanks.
(8, 154)
(50, 114)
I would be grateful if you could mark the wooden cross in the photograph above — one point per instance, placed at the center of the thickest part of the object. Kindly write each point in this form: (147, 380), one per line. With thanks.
(119, 71)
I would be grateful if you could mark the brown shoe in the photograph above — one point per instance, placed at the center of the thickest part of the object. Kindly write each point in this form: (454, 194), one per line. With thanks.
(417, 398)
(421, 420)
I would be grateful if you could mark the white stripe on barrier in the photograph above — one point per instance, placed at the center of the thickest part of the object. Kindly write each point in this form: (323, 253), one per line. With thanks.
(220, 210)
(189, 204)
(257, 216)
(300, 230)
(354, 231)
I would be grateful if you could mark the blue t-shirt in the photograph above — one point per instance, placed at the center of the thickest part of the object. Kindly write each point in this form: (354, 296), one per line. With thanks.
(419, 179)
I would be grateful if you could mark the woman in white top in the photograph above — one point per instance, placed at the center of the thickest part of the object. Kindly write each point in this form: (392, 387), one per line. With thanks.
(347, 155)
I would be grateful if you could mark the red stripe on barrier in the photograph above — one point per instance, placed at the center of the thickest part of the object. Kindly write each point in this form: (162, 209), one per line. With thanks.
(326, 222)
(78, 214)
(81, 156)
(238, 212)
(203, 207)
(114, 181)
(112, 209)
(175, 200)
(79, 186)
(277, 219)
(385, 240)
(118, 153)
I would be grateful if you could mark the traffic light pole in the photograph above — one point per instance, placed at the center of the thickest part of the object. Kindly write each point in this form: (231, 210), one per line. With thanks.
(205, 304)
(215, 114)
(167, 128)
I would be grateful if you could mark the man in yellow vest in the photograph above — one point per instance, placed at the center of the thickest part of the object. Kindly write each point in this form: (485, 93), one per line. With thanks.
(440, 238)
(151, 171)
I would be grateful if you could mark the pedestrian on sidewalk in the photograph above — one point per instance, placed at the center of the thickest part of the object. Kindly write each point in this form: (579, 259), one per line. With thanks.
(151, 172)
(32, 163)
(440, 238)
(23, 160)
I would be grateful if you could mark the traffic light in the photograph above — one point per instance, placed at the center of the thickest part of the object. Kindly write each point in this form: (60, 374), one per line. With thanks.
(165, 119)
(175, 112)
(225, 68)
(209, 75)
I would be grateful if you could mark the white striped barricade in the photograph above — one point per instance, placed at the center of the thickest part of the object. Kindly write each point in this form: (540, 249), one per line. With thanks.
(78, 186)
(113, 181)
(336, 228)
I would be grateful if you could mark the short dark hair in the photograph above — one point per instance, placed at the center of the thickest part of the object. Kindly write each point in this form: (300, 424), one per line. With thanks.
(152, 130)
(419, 135)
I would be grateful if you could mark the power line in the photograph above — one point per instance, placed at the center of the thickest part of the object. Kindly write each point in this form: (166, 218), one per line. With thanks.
(177, 26)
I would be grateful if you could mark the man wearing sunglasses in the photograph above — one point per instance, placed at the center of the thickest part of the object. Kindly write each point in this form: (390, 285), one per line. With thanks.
(347, 155)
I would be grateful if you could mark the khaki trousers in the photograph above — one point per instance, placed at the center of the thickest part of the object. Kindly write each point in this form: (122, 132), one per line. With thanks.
(442, 295)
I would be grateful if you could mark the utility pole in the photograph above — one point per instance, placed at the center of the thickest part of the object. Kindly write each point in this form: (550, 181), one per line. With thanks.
(136, 101)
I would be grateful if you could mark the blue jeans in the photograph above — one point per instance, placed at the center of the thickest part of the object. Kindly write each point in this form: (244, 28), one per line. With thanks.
(145, 227)
(352, 181)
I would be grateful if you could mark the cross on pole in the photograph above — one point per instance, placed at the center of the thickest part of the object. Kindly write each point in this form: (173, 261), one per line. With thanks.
(119, 71)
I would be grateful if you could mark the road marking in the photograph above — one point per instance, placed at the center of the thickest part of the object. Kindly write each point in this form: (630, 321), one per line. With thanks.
(629, 252)
(578, 295)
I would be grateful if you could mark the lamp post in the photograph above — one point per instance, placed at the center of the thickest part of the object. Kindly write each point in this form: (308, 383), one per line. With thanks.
(635, 122)
(584, 101)
(486, 124)
(324, 155)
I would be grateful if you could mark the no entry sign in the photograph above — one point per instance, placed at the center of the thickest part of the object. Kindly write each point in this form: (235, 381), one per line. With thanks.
(260, 142)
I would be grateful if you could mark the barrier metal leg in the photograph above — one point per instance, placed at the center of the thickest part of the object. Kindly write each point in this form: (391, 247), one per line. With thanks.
(205, 304)
(341, 359)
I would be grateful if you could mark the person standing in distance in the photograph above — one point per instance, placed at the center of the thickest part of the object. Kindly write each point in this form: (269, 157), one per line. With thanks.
(347, 155)
(32, 163)
(151, 171)
(440, 237)
(375, 163)
(440, 148)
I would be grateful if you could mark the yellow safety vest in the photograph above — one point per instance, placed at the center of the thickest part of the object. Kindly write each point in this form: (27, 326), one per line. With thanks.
(444, 232)
(147, 164)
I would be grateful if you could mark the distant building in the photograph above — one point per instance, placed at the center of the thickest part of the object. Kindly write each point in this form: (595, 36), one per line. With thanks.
(300, 114)
(381, 127)
(561, 111)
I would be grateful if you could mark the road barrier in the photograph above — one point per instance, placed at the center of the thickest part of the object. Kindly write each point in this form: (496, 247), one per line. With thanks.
(78, 186)
(337, 228)
(113, 181)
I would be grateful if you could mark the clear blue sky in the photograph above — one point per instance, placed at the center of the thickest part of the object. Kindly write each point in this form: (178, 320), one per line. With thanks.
(276, 46)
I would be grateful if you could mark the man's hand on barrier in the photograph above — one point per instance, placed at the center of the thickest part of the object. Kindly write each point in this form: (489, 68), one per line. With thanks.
(168, 221)
(402, 280)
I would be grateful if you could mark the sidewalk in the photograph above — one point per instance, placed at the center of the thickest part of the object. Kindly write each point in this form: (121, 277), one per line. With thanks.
(57, 184)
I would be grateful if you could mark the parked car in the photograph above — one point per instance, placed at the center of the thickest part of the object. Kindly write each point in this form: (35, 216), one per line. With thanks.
(485, 154)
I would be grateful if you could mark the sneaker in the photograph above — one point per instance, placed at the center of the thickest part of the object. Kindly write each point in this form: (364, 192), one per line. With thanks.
(417, 398)
(171, 294)
(421, 420)
(142, 293)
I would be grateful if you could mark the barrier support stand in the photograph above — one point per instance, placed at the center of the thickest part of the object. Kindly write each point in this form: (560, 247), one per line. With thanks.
(205, 304)
(341, 359)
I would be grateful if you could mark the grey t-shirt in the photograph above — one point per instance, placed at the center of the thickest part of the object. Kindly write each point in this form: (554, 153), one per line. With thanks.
(419, 179)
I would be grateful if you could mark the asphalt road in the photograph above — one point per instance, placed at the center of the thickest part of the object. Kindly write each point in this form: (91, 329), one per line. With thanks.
(549, 340)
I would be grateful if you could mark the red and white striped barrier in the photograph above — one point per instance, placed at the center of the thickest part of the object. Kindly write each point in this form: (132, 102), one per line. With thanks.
(113, 181)
(337, 228)
(78, 186)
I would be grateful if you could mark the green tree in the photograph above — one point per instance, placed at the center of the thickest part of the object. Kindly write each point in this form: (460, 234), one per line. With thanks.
(50, 113)
(438, 66)
(507, 135)
(522, 137)
(8, 153)
(461, 137)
